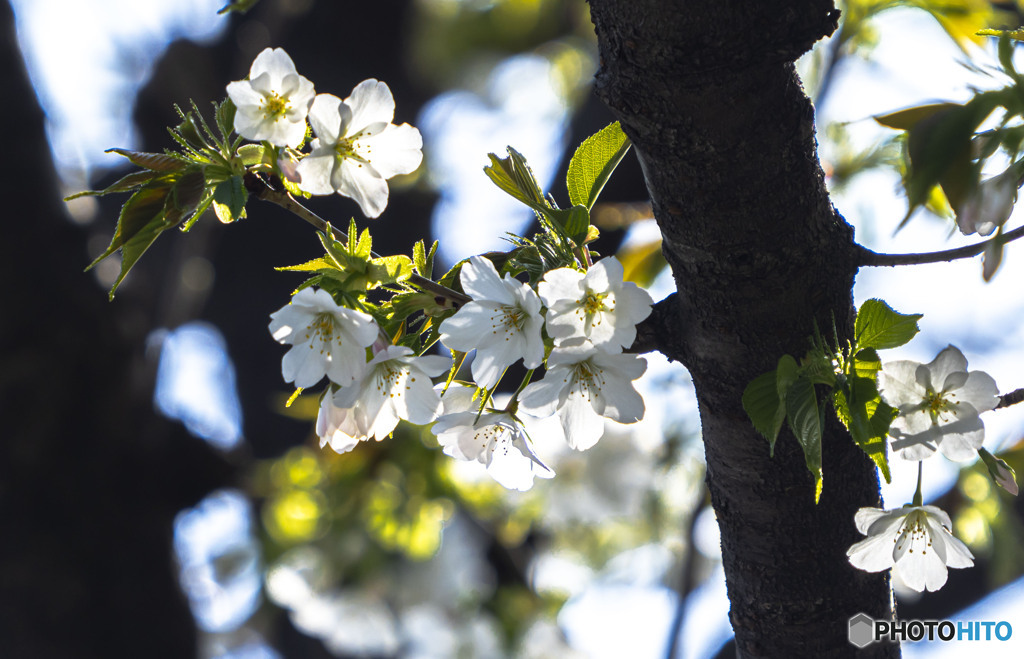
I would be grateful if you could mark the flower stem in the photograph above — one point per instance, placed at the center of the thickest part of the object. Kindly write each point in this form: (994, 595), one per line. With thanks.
(918, 499)
(866, 257)
(263, 190)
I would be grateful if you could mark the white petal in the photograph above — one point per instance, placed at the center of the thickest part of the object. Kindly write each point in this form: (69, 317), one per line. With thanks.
(542, 398)
(396, 150)
(560, 285)
(359, 182)
(273, 61)
(898, 385)
(873, 554)
(315, 174)
(980, 391)
(371, 102)
(950, 360)
(480, 281)
(583, 426)
(327, 116)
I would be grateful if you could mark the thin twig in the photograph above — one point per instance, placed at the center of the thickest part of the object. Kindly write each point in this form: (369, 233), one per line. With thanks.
(262, 190)
(1011, 398)
(866, 257)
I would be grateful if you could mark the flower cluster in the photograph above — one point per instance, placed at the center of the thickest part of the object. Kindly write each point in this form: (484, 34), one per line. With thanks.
(938, 407)
(590, 316)
(356, 148)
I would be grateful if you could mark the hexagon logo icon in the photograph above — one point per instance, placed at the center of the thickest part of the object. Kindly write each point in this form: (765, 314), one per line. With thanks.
(861, 630)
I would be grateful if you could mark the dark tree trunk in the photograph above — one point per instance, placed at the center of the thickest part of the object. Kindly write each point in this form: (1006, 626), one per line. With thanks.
(90, 476)
(708, 94)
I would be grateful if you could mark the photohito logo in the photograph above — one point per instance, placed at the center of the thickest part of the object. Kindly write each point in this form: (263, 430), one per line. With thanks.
(865, 630)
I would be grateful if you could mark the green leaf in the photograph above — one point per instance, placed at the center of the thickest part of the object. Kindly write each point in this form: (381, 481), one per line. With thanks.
(577, 224)
(124, 184)
(389, 270)
(250, 154)
(422, 259)
(939, 148)
(316, 265)
(860, 408)
(142, 209)
(761, 403)
(908, 118)
(133, 250)
(513, 175)
(806, 423)
(878, 326)
(156, 162)
(593, 163)
(229, 199)
(786, 371)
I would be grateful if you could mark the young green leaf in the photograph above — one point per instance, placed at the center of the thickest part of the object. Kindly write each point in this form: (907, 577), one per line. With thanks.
(805, 421)
(878, 326)
(593, 163)
(156, 162)
(762, 405)
(229, 199)
(142, 209)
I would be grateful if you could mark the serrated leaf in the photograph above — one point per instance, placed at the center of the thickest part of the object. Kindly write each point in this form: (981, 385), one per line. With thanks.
(786, 374)
(593, 163)
(133, 250)
(156, 162)
(315, 265)
(250, 154)
(513, 175)
(225, 117)
(422, 259)
(124, 184)
(761, 403)
(389, 270)
(878, 326)
(229, 199)
(142, 208)
(860, 408)
(806, 423)
(188, 190)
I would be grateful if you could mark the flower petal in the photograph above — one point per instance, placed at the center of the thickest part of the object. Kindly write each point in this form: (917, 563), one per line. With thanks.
(371, 102)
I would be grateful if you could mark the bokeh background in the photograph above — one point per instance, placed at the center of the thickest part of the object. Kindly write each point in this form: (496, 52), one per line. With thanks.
(157, 498)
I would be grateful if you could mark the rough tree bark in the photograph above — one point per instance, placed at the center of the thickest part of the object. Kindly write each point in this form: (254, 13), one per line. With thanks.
(708, 94)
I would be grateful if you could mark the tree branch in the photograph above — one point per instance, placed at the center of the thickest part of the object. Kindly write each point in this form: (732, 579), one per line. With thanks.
(260, 188)
(866, 257)
(1011, 398)
(651, 333)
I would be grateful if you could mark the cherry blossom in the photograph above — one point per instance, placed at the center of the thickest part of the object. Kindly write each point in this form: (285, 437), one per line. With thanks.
(337, 426)
(584, 386)
(326, 339)
(357, 148)
(272, 104)
(503, 322)
(914, 540)
(395, 385)
(989, 205)
(597, 305)
(938, 405)
(493, 438)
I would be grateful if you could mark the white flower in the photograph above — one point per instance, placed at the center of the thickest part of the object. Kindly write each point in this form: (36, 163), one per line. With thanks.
(358, 148)
(939, 404)
(495, 439)
(989, 205)
(337, 426)
(395, 385)
(272, 104)
(915, 540)
(503, 322)
(584, 384)
(597, 305)
(326, 339)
